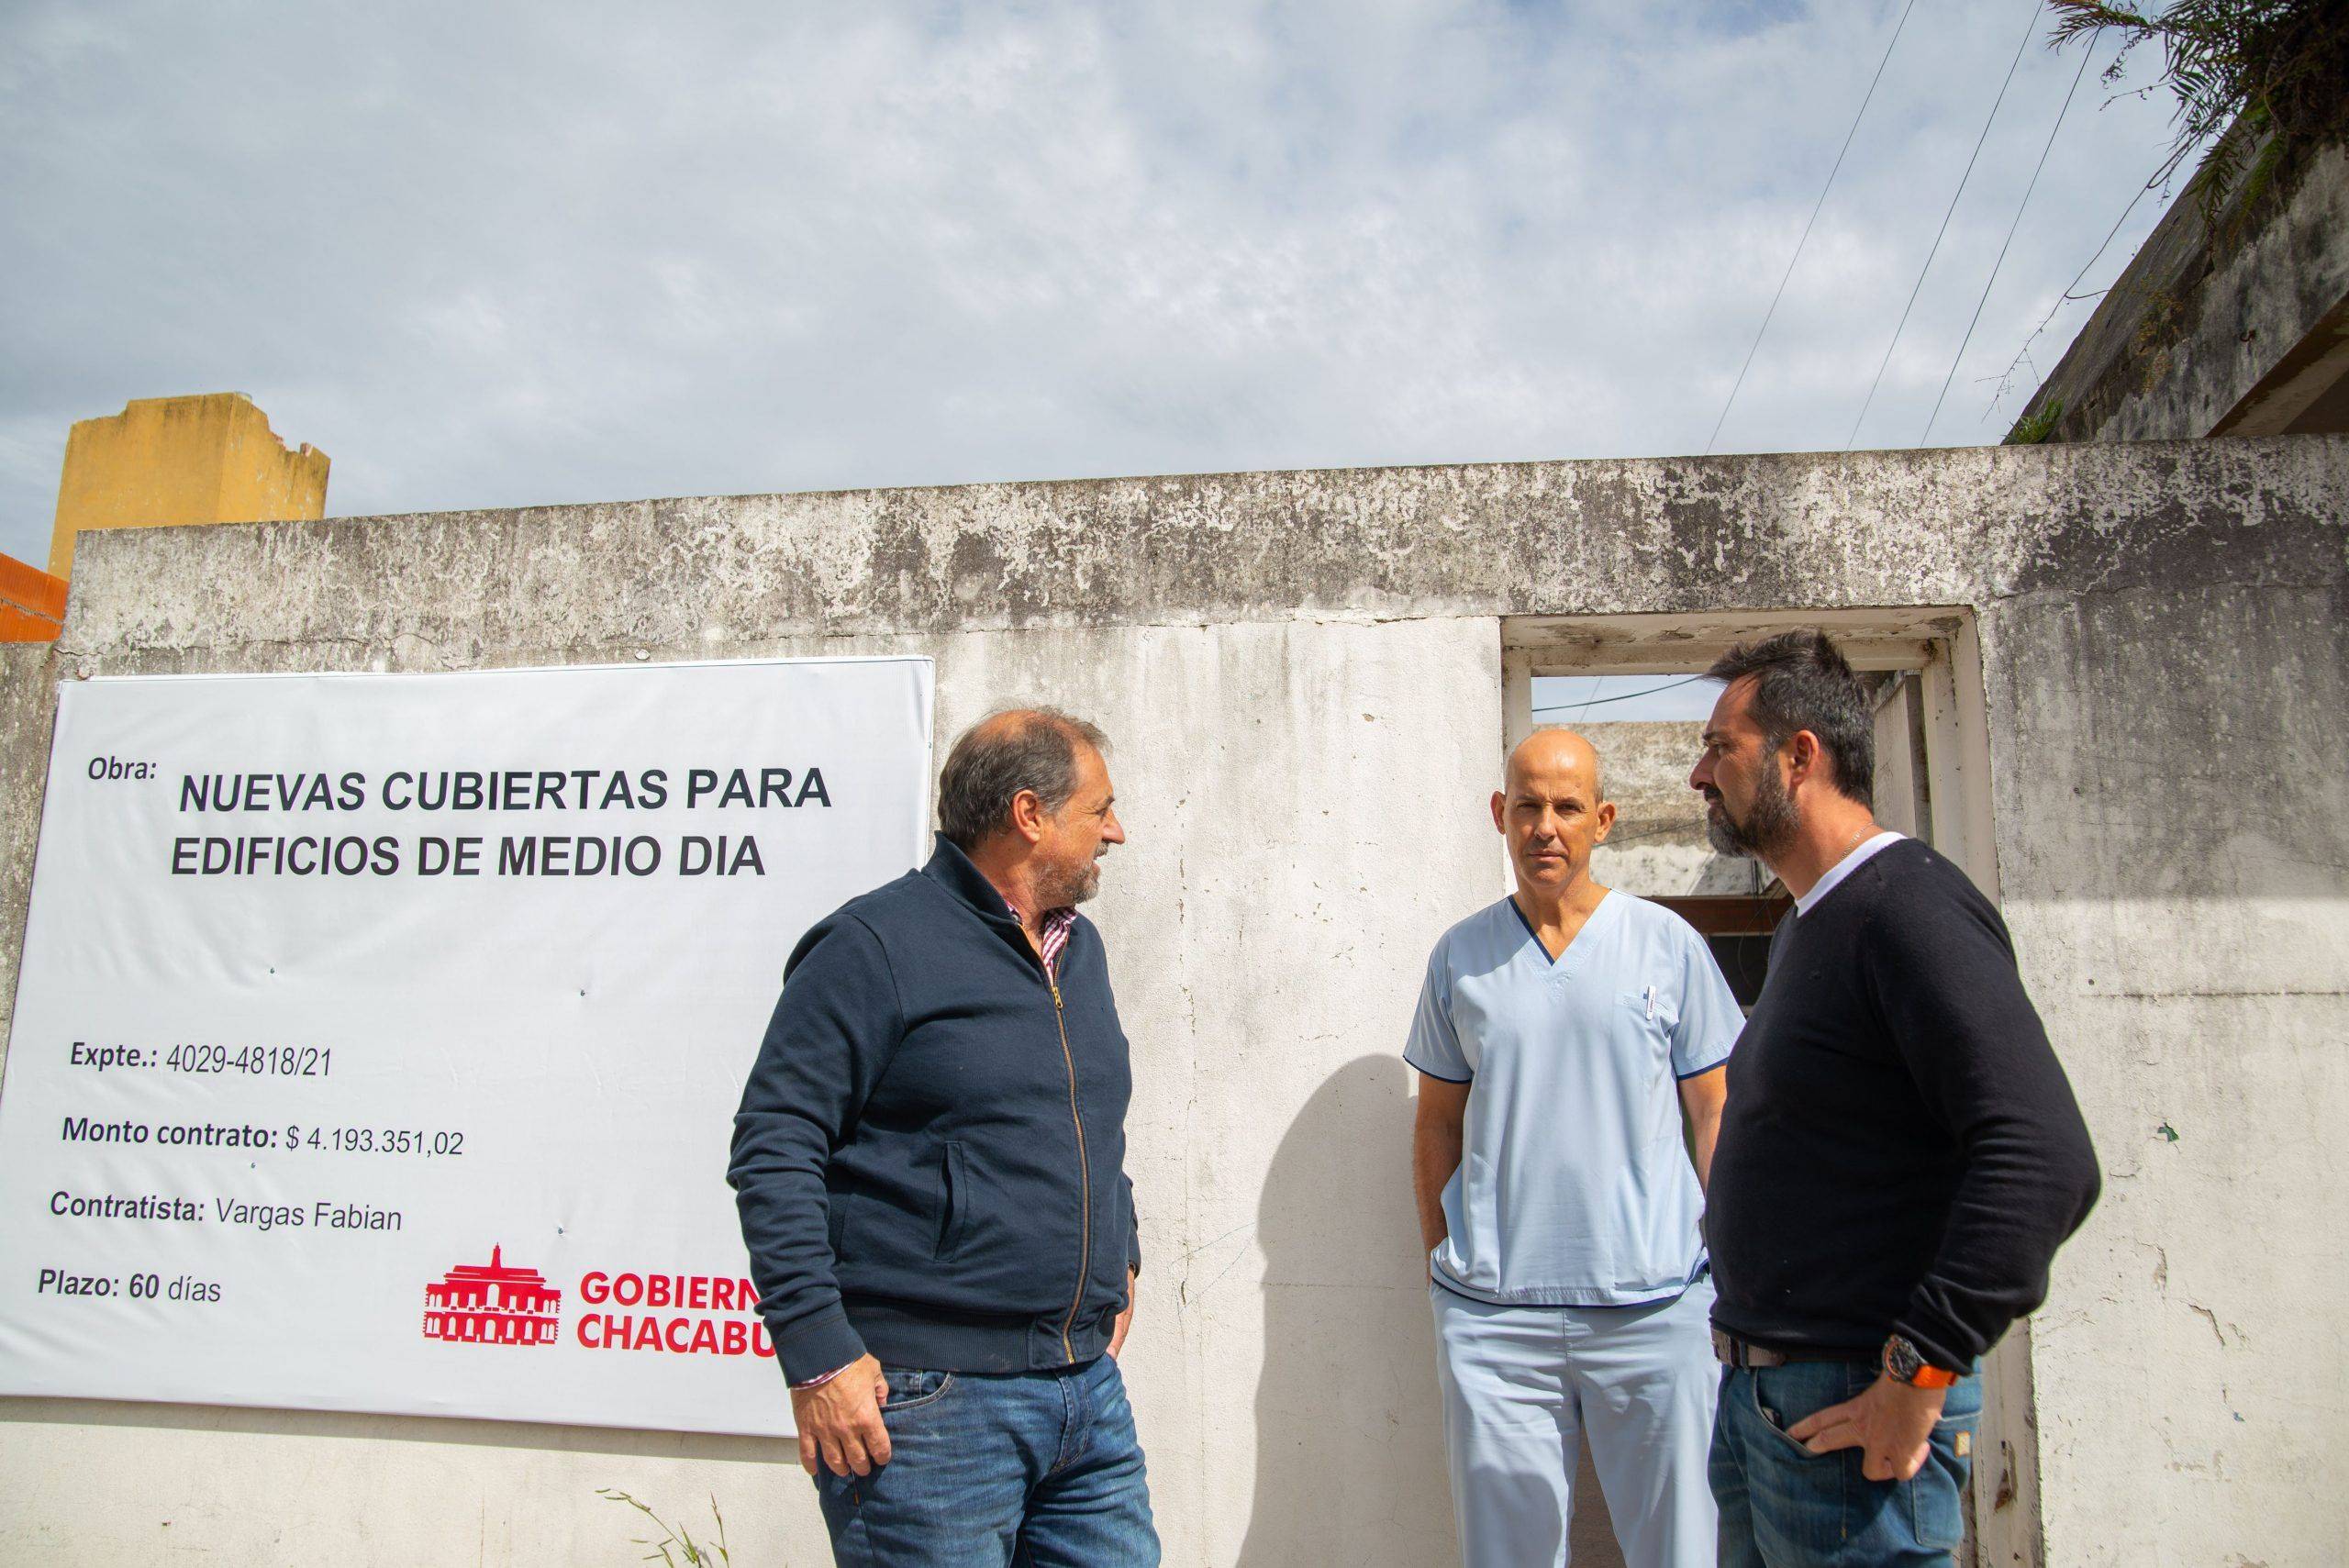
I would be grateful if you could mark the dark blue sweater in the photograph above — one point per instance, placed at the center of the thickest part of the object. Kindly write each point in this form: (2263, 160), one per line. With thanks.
(930, 1156)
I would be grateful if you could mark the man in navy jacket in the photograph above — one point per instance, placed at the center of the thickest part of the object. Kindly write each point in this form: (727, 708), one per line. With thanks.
(929, 1165)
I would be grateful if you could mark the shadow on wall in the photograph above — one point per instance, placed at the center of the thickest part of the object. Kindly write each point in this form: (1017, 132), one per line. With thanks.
(1348, 1434)
(1350, 1456)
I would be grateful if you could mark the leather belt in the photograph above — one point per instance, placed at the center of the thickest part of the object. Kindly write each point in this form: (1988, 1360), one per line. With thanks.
(1735, 1353)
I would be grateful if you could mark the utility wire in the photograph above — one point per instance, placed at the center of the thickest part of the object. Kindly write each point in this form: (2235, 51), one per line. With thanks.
(1944, 227)
(2069, 293)
(1755, 347)
(2086, 55)
(1625, 697)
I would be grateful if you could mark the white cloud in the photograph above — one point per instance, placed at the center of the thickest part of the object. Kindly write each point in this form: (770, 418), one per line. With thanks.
(499, 256)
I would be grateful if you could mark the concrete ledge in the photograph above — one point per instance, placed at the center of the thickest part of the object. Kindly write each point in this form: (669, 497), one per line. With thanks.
(2184, 339)
(681, 577)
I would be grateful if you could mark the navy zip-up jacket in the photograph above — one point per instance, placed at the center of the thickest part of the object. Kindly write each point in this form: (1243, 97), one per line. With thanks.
(930, 1156)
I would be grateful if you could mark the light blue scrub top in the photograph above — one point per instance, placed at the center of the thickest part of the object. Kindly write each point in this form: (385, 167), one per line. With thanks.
(1573, 1187)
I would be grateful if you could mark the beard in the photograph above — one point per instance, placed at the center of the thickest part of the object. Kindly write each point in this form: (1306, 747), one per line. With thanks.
(1769, 821)
(1072, 887)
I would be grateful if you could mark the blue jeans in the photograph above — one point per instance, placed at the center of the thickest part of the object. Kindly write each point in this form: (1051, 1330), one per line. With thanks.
(1036, 1469)
(1784, 1507)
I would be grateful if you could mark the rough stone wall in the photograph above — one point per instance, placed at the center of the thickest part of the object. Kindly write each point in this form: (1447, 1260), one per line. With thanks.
(1303, 673)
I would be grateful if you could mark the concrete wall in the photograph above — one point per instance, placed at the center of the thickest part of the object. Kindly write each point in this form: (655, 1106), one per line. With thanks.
(1304, 673)
(2180, 915)
(28, 705)
(2243, 332)
(1657, 847)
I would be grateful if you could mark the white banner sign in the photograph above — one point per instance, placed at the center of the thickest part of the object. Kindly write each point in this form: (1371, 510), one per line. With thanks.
(379, 1037)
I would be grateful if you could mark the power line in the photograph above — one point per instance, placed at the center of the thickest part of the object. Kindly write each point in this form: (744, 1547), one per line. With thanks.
(2069, 294)
(1625, 697)
(1927, 267)
(1755, 347)
(2086, 55)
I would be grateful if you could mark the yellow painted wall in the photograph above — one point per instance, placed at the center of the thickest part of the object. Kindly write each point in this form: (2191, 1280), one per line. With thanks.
(162, 461)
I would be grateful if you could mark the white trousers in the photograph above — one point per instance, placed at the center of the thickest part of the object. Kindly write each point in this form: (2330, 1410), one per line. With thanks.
(1524, 1385)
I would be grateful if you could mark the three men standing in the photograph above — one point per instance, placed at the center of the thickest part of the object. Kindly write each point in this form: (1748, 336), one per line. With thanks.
(929, 1161)
(1901, 1157)
(1560, 1036)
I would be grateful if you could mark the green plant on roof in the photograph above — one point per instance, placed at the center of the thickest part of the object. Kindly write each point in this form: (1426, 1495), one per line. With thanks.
(2034, 429)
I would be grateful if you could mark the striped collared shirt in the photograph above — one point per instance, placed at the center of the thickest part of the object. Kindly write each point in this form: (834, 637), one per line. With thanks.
(1053, 938)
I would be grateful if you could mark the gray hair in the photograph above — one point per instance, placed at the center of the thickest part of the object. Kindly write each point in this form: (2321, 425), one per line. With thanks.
(1007, 751)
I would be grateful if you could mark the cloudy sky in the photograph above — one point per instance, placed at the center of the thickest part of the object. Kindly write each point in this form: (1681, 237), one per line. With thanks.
(486, 255)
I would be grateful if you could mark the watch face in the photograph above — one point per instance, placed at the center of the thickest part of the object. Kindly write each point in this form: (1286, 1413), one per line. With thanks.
(1902, 1360)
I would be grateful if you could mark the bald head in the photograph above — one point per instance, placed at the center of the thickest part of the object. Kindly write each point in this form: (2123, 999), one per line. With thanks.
(1553, 810)
(1554, 756)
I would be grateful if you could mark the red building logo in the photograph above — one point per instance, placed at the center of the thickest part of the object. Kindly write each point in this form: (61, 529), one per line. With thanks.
(493, 1305)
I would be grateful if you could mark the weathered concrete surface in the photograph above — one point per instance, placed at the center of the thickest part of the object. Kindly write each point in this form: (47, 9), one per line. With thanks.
(2180, 910)
(686, 577)
(1657, 847)
(28, 704)
(1304, 675)
(2189, 339)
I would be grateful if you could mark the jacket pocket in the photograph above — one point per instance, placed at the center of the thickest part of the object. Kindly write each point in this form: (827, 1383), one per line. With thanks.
(954, 1201)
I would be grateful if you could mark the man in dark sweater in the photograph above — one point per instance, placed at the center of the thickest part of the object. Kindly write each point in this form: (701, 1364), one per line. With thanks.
(1899, 1158)
(929, 1163)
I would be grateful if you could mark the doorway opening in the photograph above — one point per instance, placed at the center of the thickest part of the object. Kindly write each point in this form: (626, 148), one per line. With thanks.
(1924, 668)
(1932, 747)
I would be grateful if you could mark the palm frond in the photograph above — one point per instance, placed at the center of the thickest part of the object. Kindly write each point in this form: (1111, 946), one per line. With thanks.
(2255, 82)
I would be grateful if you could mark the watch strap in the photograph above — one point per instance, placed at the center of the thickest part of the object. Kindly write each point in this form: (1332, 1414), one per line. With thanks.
(1904, 1362)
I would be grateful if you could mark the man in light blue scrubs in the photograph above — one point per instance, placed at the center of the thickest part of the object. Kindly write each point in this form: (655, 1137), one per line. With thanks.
(1561, 1035)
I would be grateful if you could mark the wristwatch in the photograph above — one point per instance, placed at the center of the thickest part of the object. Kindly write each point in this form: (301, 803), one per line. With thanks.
(1904, 1362)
